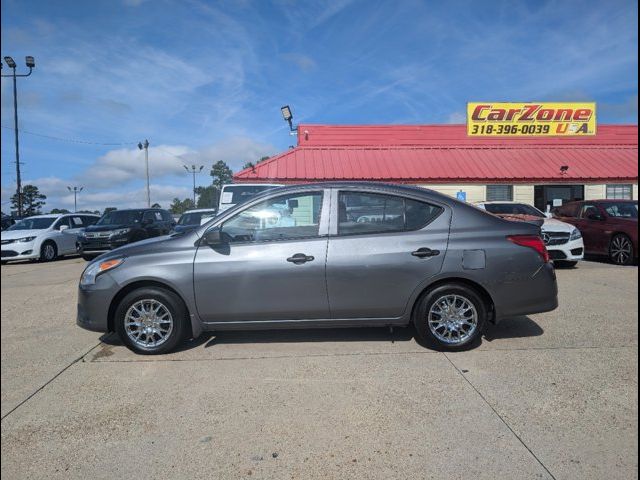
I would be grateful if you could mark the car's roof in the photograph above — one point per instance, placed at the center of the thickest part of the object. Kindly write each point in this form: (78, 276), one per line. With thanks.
(197, 210)
(48, 215)
(603, 200)
(500, 202)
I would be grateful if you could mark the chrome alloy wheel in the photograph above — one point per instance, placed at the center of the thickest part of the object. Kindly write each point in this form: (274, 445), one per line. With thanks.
(621, 250)
(49, 252)
(148, 323)
(452, 319)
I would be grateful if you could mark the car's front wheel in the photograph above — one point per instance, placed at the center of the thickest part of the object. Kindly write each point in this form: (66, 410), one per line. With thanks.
(48, 251)
(450, 316)
(151, 320)
(621, 250)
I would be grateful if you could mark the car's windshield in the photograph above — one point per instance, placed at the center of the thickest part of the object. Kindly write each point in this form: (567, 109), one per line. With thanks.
(236, 194)
(513, 209)
(122, 217)
(194, 218)
(33, 223)
(622, 209)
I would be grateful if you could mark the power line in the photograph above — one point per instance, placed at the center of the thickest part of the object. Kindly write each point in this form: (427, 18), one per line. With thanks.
(71, 140)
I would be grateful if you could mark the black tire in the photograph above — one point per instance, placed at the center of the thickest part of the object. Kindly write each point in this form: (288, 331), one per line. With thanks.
(426, 302)
(4, 262)
(171, 302)
(88, 257)
(621, 250)
(48, 251)
(565, 263)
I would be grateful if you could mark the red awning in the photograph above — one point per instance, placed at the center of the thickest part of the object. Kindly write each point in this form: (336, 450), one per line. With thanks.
(445, 154)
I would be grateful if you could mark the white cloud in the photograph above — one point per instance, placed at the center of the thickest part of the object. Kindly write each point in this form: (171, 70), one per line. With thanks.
(457, 117)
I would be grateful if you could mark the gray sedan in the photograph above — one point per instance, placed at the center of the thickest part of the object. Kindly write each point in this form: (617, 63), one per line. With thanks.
(324, 255)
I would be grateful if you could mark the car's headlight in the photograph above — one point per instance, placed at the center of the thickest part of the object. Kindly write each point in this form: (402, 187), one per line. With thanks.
(120, 232)
(575, 234)
(25, 239)
(96, 268)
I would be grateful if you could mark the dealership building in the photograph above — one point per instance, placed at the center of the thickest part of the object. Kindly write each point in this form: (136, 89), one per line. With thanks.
(540, 171)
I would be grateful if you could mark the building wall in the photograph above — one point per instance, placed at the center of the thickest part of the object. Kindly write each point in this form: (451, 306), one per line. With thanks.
(475, 193)
(523, 194)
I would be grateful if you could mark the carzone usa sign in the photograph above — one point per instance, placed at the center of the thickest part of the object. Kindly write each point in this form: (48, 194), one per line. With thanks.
(531, 119)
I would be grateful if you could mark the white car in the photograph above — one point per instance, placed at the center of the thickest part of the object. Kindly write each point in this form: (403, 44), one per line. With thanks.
(44, 237)
(563, 240)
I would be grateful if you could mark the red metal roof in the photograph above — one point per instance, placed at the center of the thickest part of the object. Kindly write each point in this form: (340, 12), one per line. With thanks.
(445, 154)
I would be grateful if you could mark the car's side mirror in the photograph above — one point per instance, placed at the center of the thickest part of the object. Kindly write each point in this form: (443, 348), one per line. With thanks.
(213, 237)
(62, 228)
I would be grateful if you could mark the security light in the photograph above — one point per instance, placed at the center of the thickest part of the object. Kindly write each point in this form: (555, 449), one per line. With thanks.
(564, 168)
(286, 113)
(10, 62)
(31, 63)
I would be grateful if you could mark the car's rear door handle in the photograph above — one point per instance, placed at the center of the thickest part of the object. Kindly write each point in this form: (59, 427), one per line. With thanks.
(300, 258)
(425, 252)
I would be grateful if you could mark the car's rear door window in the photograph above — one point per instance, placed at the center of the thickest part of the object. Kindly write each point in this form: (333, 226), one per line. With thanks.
(365, 213)
(287, 217)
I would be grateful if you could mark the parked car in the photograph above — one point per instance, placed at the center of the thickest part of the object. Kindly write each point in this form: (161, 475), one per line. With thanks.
(563, 240)
(235, 194)
(44, 237)
(609, 227)
(121, 227)
(192, 219)
(7, 221)
(312, 256)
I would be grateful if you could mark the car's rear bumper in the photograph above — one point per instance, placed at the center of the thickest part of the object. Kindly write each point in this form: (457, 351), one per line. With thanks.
(536, 293)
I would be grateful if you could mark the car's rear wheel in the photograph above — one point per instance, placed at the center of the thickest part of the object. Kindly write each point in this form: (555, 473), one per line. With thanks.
(621, 250)
(48, 251)
(450, 317)
(151, 320)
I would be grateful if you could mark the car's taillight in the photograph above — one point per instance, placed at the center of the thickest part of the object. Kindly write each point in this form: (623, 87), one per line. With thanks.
(531, 241)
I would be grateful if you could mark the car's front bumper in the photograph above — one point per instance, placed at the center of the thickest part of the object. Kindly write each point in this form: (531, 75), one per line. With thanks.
(94, 302)
(571, 251)
(19, 251)
(98, 246)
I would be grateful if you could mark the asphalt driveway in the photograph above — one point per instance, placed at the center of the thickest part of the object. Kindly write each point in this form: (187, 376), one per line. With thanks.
(547, 396)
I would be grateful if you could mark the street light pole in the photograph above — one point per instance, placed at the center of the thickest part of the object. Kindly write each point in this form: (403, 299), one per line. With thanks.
(193, 170)
(145, 145)
(30, 62)
(75, 191)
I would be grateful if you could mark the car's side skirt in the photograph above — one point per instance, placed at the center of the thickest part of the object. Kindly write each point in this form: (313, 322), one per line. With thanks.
(316, 323)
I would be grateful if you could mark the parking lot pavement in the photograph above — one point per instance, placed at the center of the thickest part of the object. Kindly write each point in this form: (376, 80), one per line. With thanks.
(546, 396)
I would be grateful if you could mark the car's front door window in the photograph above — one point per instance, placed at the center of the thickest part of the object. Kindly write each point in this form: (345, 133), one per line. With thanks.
(294, 216)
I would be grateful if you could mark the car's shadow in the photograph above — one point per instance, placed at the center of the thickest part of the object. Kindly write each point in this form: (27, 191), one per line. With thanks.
(518, 327)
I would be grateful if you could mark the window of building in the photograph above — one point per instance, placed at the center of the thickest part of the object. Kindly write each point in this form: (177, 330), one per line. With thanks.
(499, 193)
(619, 191)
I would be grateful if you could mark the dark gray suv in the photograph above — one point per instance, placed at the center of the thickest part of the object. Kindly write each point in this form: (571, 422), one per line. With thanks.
(324, 255)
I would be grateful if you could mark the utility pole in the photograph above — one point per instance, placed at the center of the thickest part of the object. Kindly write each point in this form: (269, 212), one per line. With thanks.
(30, 62)
(145, 145)
(193, 170)
(75, 191)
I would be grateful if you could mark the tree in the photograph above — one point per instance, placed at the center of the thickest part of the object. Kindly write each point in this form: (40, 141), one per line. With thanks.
(109, 209)
(178, 206)
(31, 199)
(221, 175)
(262, 159)
(207, 197)
(248, 165)
(60, 210)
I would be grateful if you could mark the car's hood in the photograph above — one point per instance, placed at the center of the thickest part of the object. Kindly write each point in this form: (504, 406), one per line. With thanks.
(104, 228)
(555, 225)
(517, 217)
(14, 234)
(145, 247)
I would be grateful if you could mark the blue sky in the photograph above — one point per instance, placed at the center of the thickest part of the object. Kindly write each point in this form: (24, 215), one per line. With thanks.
(204, 80)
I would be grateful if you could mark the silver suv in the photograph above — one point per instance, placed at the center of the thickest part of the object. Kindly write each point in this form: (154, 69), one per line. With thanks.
(324, 255)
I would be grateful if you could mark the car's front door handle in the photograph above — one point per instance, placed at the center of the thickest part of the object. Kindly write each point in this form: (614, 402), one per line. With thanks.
(300, 258)
(425, 252)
